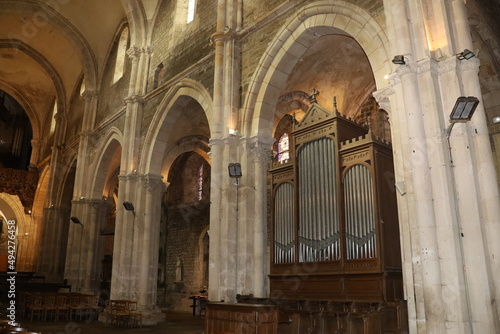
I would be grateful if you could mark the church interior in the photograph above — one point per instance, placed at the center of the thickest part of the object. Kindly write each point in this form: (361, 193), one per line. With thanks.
(323, 166)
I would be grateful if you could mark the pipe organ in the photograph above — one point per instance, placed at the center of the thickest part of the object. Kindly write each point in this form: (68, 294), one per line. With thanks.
(335, 231)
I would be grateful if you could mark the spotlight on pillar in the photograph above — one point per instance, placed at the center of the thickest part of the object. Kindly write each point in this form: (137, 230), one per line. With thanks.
(462, 112)
(76, 221)
(235, 171)
(399, 60)
(128, 206)
(465, 55)
(496, 120)
(463, 109)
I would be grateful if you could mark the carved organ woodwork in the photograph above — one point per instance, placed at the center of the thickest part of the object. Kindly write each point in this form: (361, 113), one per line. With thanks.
(335, 232)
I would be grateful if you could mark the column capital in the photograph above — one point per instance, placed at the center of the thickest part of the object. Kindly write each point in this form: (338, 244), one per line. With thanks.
(469, 65)
(152, 181)
(89, 95)
(261, 148)
(134, 53)
(382, 96)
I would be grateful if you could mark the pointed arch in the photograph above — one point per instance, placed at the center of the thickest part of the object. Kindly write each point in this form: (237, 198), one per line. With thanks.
(313, 21)
(154, 143)
(137, 21)
(110, 144)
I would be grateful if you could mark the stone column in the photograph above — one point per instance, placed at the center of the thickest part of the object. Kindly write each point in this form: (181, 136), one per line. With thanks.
(226, 249)
(261, 154)
(84, 247)
(147, 244)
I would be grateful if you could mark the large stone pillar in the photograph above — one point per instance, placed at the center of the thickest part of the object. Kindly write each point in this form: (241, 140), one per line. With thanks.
(227, 245)
(84, 246)
(147, 236)
(260, 149)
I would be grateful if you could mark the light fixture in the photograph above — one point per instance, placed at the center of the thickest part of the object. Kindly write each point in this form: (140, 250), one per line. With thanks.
(462, 112)
(128, 206)
(76, 220)
(466, 54)
(463, 109)
(234, 170)
(399, 60)
(496, 120)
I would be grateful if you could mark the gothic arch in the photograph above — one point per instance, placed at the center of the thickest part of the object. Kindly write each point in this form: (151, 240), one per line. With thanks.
(111, 143)
(33, 116)
(313, 21)
(191, 144)
(137, 20)
(155, 144)
(85, 53)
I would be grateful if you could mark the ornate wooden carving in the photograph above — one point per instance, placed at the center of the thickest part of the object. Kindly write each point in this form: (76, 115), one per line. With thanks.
(22, 183)
(335, 230)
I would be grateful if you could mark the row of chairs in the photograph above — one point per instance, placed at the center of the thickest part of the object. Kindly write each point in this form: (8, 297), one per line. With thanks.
(7, 327)
(59, 306)
(123, 313)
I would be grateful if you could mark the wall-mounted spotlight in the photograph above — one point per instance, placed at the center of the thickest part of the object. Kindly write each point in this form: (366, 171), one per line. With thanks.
(76, 221)
(235, 172)
(399, 60)
(466, 54)
(128, 206)
(462, 112)
(496, 120)
(464, 109)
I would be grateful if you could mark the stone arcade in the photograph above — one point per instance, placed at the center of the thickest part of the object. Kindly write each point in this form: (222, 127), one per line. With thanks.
(118, 120)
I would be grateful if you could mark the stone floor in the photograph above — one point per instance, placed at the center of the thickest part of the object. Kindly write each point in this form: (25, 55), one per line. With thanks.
(176, 323)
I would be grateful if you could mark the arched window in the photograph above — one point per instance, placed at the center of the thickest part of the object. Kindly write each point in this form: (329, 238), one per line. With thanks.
(121, 54)
(53, 119)
(82, 87)
(283, 149)
(200, 183)
(190, 10)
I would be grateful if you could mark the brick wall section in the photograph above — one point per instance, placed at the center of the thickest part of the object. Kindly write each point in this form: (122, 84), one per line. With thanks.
(111, 96)
(190, 45)
(186, 220)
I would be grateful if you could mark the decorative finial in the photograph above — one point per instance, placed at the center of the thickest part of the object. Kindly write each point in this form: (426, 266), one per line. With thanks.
(312, 97)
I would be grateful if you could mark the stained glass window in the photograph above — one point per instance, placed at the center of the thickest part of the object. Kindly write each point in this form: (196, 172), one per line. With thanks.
(190, 11)
(283, 149)
(200, 183)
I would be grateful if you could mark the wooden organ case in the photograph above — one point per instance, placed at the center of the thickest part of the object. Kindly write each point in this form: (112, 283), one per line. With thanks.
(335, 233)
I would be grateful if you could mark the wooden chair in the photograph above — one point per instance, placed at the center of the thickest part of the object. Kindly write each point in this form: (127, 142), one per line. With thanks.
(121, 314)
(135, 318)
(91, 306)
(76, 306)
(35, 306)
(49, 306)
(62, 306)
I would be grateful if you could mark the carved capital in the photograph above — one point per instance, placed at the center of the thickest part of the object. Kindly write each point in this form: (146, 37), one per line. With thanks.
(469, 65)
(382, 96)
(152, 182)
(261, 149)
(88, 95)
(134, 99)
(134, 53)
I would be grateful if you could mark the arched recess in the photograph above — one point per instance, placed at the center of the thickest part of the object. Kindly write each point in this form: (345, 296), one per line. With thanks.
(11, 209)
(159, 136)
(87, 57)
(137, 20)
(33, 116)
(312, 22)
(105, 187)
(106, 161)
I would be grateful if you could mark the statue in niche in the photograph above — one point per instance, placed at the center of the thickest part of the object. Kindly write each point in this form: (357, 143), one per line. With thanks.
(178, 271)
